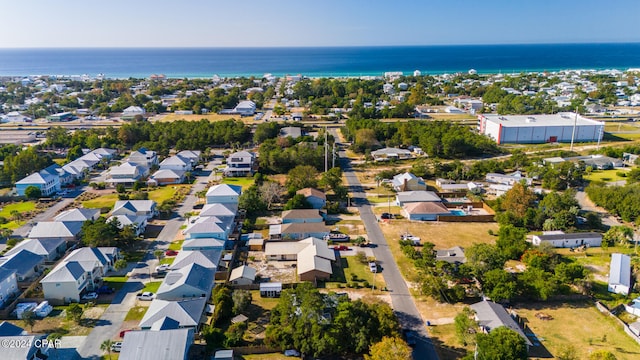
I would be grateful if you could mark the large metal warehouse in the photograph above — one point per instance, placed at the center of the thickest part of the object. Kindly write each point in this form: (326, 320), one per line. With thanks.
(535, 129)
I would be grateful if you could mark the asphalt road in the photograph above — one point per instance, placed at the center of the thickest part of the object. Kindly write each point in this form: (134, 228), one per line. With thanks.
(111, 321)
(402, 301)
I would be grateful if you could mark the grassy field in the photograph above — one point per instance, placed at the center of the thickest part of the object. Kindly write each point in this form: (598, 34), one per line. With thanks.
(245, 182)
(581, 325)
(443, 235)
(158, 195)
(605, 175)
(619, 126)
(20, 207)
(446, 343)
(272, 356)
(116, 282)
(263, 302)
(136, 313)
(350, 267)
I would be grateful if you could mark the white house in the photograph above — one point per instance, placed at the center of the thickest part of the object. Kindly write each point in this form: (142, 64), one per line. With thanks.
(49, 249)
(243, 275)
(240, 163)
(47, 183)
(191, 281)
(8, 285)
(507, 179)
(65, 283)
(132, 111)
(145, 208)
(245, 108)
(177, 163)
(620, 274)
(188, 313)
(223, 194)
(26, 264)
(144, 157)
(138, 222)
(126, 173)
(408, 182)
(157, 344)
(167, 176)
(561, 240)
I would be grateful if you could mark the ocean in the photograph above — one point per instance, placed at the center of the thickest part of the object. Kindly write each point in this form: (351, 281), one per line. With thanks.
(316, 61)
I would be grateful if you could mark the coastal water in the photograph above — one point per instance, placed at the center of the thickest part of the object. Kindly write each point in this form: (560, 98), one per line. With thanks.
(316, 62)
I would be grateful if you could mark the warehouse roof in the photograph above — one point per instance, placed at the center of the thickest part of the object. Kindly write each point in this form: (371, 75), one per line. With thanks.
(559, 119)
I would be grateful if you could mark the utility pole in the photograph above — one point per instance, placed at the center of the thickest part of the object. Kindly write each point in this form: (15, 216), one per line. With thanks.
(333, 152)
(326, 149)
(573, 133)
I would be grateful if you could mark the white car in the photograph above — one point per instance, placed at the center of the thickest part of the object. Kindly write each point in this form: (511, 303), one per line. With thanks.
(373, 267)
(291, 352)
(162, 268)
(145, 296)
(116, 347)
(90, 296)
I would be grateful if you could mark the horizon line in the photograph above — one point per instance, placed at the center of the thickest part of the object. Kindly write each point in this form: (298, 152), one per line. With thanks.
(317, 46)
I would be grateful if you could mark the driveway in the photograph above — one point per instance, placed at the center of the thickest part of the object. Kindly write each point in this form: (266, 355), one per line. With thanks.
(401, 299)
(588, 205)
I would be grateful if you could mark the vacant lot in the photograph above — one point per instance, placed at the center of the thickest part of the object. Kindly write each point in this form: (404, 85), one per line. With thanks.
(348, 270)
(581, 325)
(158, 195)
(245, 182)
(57, 322)
(606, 175)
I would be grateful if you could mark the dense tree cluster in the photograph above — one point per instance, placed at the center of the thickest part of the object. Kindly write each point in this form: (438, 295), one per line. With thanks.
(101, 232)
(279, 156)
(323, 325)
(623, 201)
(438, 139)
(20, 164)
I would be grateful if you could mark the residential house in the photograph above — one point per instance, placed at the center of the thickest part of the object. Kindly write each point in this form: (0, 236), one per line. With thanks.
(454, 255)
(241, 163)
(188, 312)
(64, 177)
(47, 183)
(408, 182)
(630, 159)
(314, 261)
(8, 329)
(206, 227)
(96, 259)
(315, 197)
(24, 263)
(270, 289)
(245, 108)
(145, 208)
(8, 286)
(223, 194)
(283, 250)
(49, 249)
(67, 231)
(254, 241)
(190, 281)
(127, 174)
(192, 155)
(79, 215)
(491, 316)
(169, 344)
(139, 223)
(219, 210)
(301, 216)
(424, 211)
(559, 239)
(202, 244)
(297, 231)
(205, 258)
(243, 275)
(620, 274)
(176, 163)
(65, 283)
(167, 177)
(387, 154)
(144, 157)
(406, 197)
(507, 179)
(132, 111)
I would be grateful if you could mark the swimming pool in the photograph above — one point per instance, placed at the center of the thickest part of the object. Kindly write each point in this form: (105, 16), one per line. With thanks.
(458, 212)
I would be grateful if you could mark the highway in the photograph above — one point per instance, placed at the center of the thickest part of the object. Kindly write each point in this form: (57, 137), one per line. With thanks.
(402, 301)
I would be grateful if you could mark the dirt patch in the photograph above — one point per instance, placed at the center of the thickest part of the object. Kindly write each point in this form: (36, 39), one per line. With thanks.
(280, 271)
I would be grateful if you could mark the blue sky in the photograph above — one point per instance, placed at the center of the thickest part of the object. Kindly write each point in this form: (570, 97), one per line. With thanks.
(218, 23)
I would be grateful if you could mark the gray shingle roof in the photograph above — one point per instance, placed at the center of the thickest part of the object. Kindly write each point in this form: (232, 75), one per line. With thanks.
(22, 262)
(192, 276)
(491, 316)
(156, 345)
(187, 312)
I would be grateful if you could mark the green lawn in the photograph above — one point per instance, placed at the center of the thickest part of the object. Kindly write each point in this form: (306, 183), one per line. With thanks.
(20, 207)
(167, 260)
(176, 245)
(101, 202)
(116, 282)
(350, 267)
(152, 286)
(136, 313)
(161, 194)
(605, 175)
(245, 182)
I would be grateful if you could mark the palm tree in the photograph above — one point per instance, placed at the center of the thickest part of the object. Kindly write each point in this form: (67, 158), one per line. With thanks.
(158, 253)
(106, 345)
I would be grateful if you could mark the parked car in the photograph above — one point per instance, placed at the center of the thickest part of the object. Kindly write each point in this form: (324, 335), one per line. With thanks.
(291, 352)
(341, 248)
(145, 296)
(123, 332)
(116, 347)
(105, 290)
(171, 253)
(386, 216)
(162, 268)
(90, 296)
(373, 267)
